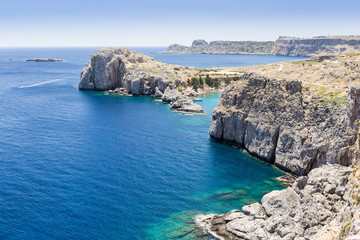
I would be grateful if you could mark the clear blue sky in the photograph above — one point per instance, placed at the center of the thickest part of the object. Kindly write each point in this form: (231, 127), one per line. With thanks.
(162, 22)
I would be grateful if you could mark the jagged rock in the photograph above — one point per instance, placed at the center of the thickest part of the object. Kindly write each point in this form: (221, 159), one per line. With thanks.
(255, 210)
(180, 102)
(158, 93)
(233, 214)
(171, 95)
(186, 104)
(280, 202)
(282, 122)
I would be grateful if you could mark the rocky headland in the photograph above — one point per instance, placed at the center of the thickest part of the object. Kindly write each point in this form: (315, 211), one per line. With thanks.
(302, 117)
(43, 60)
(288, 46)
(122, 71)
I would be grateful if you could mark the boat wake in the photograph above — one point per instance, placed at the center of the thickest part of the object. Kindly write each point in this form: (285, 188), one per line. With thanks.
(42, 83)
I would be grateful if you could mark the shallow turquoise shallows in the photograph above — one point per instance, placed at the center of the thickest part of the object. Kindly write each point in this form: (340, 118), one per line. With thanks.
(85, 165)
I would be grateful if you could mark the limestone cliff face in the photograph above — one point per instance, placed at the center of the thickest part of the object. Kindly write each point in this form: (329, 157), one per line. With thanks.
(112, 68)
(282, 122)
(318, 45)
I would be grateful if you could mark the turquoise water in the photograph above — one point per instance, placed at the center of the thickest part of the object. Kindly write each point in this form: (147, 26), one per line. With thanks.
(85, 165)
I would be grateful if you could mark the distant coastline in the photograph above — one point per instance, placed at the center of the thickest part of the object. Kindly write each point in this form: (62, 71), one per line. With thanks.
(285, 46)
(43, 60)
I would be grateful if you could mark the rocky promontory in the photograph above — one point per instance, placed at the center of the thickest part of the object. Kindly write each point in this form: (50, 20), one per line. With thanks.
(288, 46)
(122, 71)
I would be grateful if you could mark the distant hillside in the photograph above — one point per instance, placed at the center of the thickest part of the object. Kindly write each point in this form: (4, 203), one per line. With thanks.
(224, 47)
(323, 45)
(288, 46)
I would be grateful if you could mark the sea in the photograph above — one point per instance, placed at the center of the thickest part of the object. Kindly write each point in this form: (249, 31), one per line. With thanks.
(86, 165)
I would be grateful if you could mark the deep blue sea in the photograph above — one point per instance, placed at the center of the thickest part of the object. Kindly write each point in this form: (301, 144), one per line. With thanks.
(85, 165)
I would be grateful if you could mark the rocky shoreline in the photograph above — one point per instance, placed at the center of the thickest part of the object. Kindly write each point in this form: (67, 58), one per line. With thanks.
(314, 207)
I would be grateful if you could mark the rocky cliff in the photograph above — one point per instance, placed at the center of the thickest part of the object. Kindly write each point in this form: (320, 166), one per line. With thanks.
(288, 46)
(122, 71)
(284, 123)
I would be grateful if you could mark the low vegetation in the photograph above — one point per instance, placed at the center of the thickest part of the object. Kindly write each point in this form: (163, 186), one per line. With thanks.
(305, 63)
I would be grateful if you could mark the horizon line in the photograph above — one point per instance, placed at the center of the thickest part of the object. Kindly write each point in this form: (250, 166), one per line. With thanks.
(75, 46)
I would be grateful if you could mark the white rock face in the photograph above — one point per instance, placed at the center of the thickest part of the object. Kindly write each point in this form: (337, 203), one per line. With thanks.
(106, 70)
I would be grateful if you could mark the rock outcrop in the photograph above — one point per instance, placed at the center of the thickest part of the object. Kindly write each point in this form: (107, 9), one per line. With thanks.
(180, 102)
(308, 209)
(283, 123)
(122, 71)
(288, 46)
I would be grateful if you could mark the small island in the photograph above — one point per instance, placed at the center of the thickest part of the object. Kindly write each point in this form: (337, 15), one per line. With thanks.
(43, 60)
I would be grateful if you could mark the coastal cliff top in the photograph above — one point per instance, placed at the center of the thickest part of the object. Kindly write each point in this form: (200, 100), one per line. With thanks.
(327, 76)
